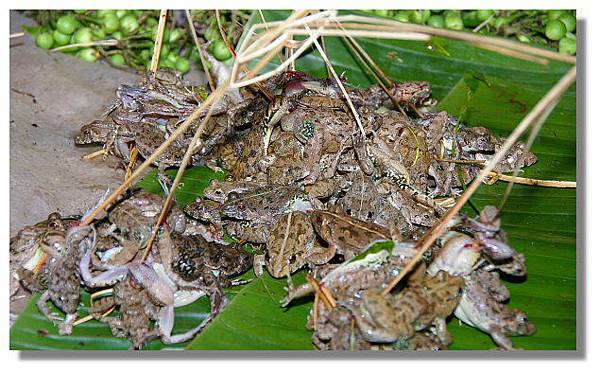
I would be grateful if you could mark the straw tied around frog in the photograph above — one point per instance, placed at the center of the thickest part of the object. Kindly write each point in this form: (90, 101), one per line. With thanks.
(319, 173)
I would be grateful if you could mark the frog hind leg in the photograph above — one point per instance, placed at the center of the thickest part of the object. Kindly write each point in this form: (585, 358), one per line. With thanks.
(66, 326)
(501, 339)
(163, 179)
(42, 305)
(258, 264)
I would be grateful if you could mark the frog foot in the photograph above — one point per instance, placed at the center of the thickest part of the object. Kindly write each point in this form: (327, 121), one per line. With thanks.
(66, 327)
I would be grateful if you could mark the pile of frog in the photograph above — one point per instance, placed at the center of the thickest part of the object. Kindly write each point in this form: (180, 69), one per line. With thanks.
(311, 183)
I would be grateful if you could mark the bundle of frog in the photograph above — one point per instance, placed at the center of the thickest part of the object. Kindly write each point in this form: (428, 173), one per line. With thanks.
(461, 277)
(303, 152)
(186, 264)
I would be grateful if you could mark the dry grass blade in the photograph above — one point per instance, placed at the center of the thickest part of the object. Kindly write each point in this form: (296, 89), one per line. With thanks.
(512, 53)
(16, 35)
(104, 43)
(390, 25)
(162, 22)
(494, 176)
(339, 82)
(549, 100)
(211, 83)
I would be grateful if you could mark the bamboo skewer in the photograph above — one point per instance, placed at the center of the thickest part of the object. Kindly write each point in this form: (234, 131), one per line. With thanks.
(162, 21)
(431, 236)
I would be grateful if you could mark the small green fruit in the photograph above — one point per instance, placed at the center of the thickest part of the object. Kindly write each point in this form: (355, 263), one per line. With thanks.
(88, 54)
(60, 39)
(44, 40)
(117, 59)
(567, 46)
(110, 23)
(555, 30)
(66, 25)
(183, 65)
(569, 20)
(129, 24)
(436, 21)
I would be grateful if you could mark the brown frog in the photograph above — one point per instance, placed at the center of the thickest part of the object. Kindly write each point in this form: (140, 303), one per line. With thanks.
(64, 278)
(483, 307)
(344, 234)
(143, 296)
(131, 223)
(33, 248)
(291, 245)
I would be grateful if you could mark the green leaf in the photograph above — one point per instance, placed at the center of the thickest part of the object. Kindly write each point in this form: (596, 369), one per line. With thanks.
(193, 182)
(255, 320)
(33, 331)
(539, 221)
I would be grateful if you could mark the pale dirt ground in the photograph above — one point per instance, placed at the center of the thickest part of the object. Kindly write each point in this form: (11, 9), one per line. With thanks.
(46, 170)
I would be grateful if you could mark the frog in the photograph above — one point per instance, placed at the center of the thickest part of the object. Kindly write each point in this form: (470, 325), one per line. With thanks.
(207, 211)
(376, 319)
(344, 234)
(291, 245)
(265, 203)
(428, 302)
(191, 261)
(219, 191)
(408, 94)
(288, 164)
(142, 296)
(132, 220)
(482, 306)
(32, 250)
(64, 278)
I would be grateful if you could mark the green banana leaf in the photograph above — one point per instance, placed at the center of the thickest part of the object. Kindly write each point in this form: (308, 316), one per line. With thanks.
(479, 87)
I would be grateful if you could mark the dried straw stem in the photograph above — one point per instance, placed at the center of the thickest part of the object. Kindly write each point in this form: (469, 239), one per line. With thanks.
(339, 82)
(549, 100)
(383, 24)
(105, 43)
(162, 21)
(494, 176)
(211, 83)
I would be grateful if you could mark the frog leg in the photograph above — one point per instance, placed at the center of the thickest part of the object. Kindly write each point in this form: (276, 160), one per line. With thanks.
(302, 290)
(442, 331)
(163, 179)
(107, 278)
(167, 320)
(496, 250)
(500, 338)
(66, 326)
(258, 264)
(42, 305)
(271, 121)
